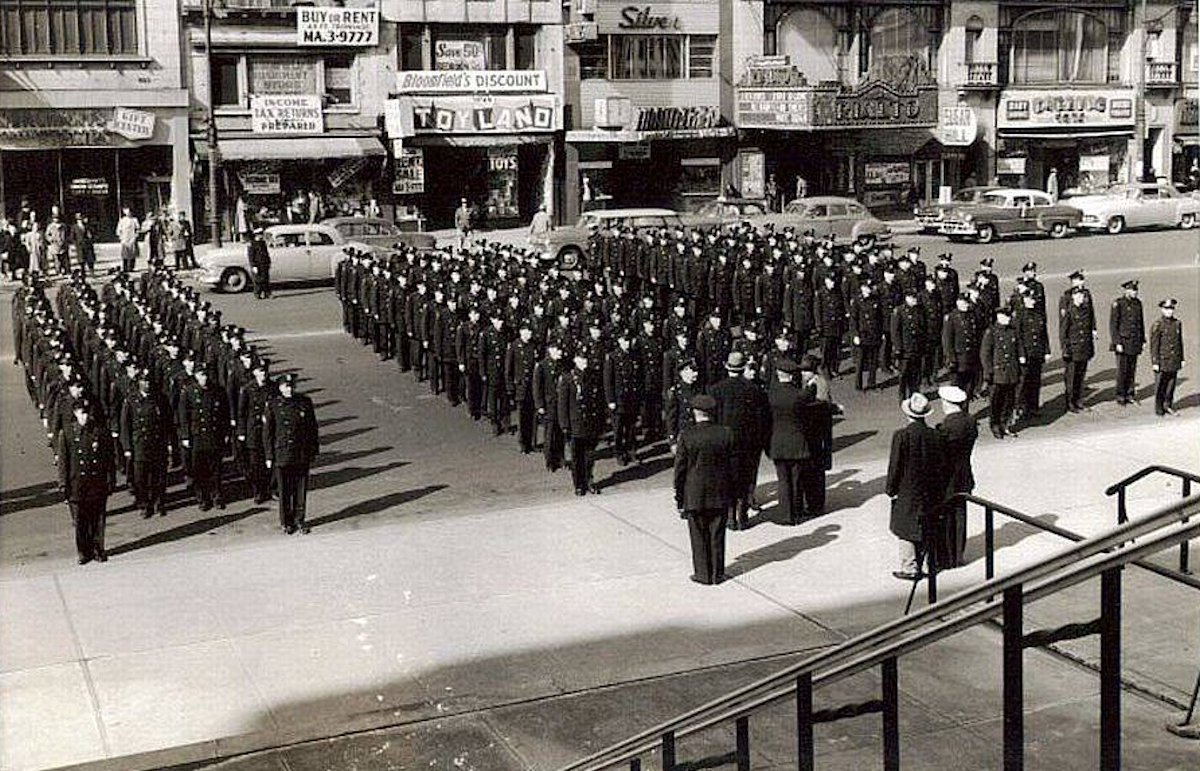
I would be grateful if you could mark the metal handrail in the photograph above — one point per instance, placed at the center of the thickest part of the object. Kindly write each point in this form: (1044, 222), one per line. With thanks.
(886, 634)
(1186, 479)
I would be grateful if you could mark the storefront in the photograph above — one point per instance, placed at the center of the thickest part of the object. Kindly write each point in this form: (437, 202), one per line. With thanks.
(1082, 134)
(875, 142)
(653, 165)
(1186, 162)
(484, 135)
(91, 161)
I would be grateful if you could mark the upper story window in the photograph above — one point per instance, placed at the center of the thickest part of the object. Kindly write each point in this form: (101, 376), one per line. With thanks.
(811, 39)
(1189, 50)
(1062, 46)
(901, 44)
(68, 28)
(648, 57)
(237, 77)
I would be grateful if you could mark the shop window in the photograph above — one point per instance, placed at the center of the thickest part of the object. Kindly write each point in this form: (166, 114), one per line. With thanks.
(457, 51)
(972, 38)
(810, 38)
(283, 75)
(68, 27)
(1063, 46)
(339, 80)
(526, 48)
(411, 37)
(647, 57)
(701, 53)
(226, 87)
(593, 59)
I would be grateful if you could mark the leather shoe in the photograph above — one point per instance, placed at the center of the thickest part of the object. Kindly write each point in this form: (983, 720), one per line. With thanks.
(905, 576)
(593, 489)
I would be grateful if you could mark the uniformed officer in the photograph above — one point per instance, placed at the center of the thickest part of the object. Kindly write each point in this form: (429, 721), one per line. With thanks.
(1166, 356)
(705, 487)
(677, 405)
(623, 392)
(545, 399)
(260, 264)
(581, 410)
(999, 353)
(797, 464)
(291, 441)
(1127, 329)
(143, 437)
(908, 332)
(1076, 330)
(960, 344)
(1033, 351)
(492, 350)
(206, 431)
(866, 333)
(466, 345)
(84, 457)
(519, 362)
(253, 401)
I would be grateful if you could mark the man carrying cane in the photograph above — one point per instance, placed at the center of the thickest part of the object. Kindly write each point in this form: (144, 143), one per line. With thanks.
(915, 484)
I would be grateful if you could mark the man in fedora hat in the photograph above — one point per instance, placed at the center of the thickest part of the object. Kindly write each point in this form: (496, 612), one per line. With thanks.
(741, 406)
(958, 432)
(705, 488)
(793, 446)
(915, 484)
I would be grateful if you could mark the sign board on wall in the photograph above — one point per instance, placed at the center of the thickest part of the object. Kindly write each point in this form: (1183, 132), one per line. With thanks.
(132, 124)
(887, 174)
(88, 186)
(337, 26)
(875, 104)
(1065, 108)
(634, 151)
(1010, 165)
(957, 125)
(346, 171)
(477, 115)
(409, 178)
(783, 108)
(260, 182)
(657, 18)
(471, 82)
(1094, 163)
(753, 174)
(286, 114)
(283, 75)
(459, 55)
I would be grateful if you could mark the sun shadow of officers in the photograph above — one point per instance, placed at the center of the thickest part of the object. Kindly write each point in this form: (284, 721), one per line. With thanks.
(705, 487)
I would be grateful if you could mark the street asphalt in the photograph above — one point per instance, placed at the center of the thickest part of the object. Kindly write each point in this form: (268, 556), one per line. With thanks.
(523, 596)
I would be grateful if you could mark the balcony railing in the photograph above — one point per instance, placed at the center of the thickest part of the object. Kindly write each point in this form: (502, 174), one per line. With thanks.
(1162, 73)
(982, 74)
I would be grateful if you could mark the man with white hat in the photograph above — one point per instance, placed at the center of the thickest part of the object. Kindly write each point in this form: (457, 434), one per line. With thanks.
(958, 432)
(915, 484)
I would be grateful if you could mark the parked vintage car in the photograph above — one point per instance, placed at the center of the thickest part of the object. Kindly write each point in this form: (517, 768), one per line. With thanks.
(931, 213)
(725, 211)
(1010, 212)
(381, 233)
(298, 253)
(828, 215)
(566, 244)
(1137, 205)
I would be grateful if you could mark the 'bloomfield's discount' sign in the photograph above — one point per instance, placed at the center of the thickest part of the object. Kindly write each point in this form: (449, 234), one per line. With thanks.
(337, 26)
(286, 114)
(470, 81)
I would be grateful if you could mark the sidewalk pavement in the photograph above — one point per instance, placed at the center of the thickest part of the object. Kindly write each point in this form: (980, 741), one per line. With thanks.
(154, 661)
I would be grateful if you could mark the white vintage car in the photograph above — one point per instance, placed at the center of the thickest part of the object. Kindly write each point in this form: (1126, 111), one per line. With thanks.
(298, 253)
(1137, 205)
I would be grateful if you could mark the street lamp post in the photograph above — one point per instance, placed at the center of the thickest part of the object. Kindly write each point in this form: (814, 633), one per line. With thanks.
(214, 153)
(1137, 167)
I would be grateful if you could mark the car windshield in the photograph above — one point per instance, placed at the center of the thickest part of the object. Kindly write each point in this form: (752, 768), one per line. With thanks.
(966, 195)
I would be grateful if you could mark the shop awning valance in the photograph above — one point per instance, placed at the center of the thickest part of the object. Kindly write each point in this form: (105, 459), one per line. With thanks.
(294, 148)
(1187, 140)
(476, 140)
(1072, 134)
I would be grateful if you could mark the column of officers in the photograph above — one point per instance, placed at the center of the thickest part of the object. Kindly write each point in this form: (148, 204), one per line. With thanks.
(650, 318)
(142, 377)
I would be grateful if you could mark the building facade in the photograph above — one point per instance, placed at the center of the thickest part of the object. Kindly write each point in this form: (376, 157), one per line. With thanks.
(297, 113)
(93, 109)
(476, 107)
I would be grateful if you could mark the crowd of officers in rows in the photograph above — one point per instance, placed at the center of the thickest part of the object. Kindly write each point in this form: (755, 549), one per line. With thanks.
(654, 315)
(143, 376)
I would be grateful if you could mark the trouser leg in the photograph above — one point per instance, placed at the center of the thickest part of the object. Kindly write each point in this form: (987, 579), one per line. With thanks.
(474, 395)
(579, 462)
(701, 555)
(83, 542)
(451, 376)
(525, 423)
(812, 480)
(552, 451)
(831, 354)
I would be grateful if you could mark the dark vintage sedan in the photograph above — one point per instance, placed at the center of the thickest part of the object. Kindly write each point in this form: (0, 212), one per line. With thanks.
(1003, 213)
(929, 214)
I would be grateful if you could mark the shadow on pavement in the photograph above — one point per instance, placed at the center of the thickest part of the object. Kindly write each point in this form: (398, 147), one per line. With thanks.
(341, 476)
(376, 505)
(1006, 535)
(782, 551)
(849, 440)
(342, 436)
(187, 530)
(31, 497)
(332, 457)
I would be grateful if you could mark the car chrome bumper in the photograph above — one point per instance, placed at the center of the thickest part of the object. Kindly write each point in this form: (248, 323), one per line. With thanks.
(957, 228)
(210, 276)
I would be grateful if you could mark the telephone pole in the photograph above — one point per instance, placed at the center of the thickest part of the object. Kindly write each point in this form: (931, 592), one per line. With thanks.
(214, 152)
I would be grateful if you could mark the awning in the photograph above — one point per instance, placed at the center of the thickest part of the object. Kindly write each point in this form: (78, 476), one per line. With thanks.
(476, 140)
(1069, 134)
(1187, 140)
(291, 148)
(603, 135)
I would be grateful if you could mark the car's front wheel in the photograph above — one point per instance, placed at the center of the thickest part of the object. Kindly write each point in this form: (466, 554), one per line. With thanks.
(1187, 221)
(985, 234)
(1058, 230)
(1116, 226)
(569, 258)
(234, 280)
(867, 240)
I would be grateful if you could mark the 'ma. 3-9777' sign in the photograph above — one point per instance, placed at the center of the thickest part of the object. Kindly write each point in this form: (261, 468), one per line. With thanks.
(337, 26)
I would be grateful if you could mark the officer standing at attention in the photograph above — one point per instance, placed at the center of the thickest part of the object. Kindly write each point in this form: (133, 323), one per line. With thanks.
(260, 264)
(1166, 356)
(1076, 331)
(704, 488)
(206, 423)
(1127, 328)
(84, 455)
(291, 441)
(144, 438)
(251, 412)
(581, 411)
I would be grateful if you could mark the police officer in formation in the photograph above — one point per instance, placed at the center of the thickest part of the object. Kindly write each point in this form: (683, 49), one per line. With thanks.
(649, 321)
(139, 375)
(291, 442)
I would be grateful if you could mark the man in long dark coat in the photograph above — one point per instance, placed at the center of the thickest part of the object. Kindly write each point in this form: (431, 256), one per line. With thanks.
(742, 407)
(915, 484)
(705, 487)
(1000, 355)
(958, 432)
(1127, 328)
(291, 441)
(84, 454)
(144, 439)
(581, 410)
(1166, 356)
(1076, 334)
(797, 466)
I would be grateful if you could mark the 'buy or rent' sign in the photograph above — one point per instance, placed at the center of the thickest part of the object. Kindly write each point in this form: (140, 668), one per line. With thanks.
(337, 26)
